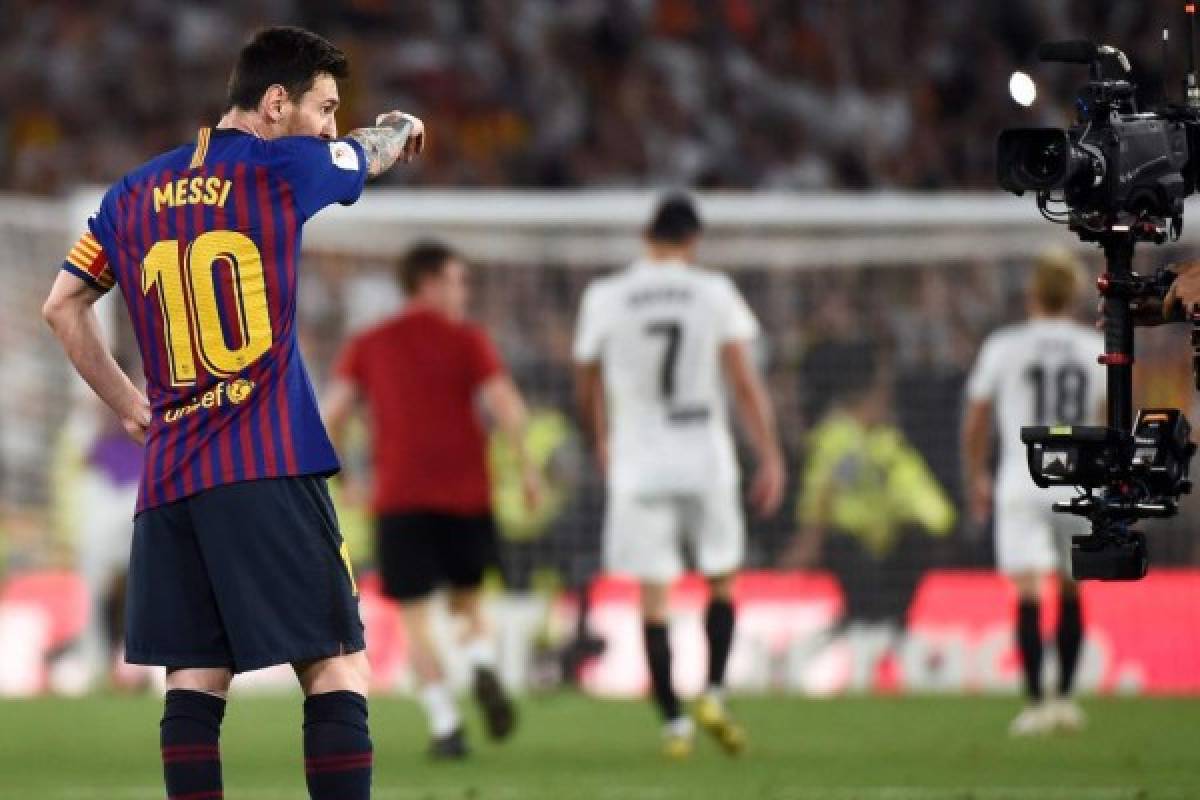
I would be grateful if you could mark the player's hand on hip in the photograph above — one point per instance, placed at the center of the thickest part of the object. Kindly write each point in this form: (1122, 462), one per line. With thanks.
(414, 143)
(766, 491)
(136, 420)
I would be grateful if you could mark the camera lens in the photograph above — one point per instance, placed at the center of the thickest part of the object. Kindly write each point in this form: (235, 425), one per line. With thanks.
(1042, 159)
(1044, 163)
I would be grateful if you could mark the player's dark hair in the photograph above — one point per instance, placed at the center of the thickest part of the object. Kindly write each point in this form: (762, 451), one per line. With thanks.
(290, 57)
(675, 221)
(425, 259)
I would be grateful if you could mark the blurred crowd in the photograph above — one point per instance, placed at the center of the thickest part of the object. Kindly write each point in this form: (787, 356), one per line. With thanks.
(553, 93)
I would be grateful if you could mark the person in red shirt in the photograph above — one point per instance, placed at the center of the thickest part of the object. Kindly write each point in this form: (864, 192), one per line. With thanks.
(423, 376)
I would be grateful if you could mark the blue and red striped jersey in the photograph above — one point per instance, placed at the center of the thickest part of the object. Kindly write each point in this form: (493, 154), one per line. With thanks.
(204, 243)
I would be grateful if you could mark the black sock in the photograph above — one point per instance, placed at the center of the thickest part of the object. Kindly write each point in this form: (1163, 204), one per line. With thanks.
(1029, 642)
(658, 654)
(718, 628)
(190, 736)
(1070, 637)
(337, 746)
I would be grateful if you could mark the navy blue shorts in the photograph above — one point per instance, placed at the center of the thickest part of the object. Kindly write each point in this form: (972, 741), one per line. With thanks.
(242, 576)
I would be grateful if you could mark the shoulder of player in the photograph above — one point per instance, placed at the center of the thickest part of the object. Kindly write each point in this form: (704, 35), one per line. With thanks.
(1006, 336)
(294, 144)
(165, 162)
(301, 148)
(999, 342)
(437, 324)
(469, 329)
(379, 331)
(132, 181)
(1093, 336)
(709, 274)
(600, 287)
(715, 280)
(1079, 332)
(1085, 335)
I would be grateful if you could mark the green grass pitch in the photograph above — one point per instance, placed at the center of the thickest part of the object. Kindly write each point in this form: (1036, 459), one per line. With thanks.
(573, 747)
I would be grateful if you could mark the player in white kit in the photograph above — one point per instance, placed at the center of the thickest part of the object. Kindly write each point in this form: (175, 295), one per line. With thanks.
(653, 347)
(1043, 371)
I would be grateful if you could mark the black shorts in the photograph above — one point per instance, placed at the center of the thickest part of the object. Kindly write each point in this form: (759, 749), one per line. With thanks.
(243, 576)
(421, 551)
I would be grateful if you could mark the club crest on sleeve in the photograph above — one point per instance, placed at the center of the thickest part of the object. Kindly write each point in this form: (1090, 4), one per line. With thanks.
(343, 156)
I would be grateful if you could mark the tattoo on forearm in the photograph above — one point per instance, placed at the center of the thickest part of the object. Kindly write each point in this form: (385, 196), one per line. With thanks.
(383, 145)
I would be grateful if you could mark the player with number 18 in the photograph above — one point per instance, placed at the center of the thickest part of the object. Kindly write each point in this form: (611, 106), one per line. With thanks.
(1042, 371)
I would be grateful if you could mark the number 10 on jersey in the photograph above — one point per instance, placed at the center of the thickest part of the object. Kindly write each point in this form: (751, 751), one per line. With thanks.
(188, 301)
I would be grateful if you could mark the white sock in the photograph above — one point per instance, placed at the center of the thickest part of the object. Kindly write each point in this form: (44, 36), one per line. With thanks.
(480, 653)
(680, 726)
(440, 708)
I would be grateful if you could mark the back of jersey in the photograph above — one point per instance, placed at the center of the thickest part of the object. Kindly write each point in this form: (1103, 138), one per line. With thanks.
(1040, 372)
(204, 244)
(657, 330)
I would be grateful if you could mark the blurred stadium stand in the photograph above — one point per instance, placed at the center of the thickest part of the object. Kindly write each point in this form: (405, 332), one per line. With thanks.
(541, 93)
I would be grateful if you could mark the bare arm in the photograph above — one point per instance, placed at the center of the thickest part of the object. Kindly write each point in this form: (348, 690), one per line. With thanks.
(804, 550)
(70, 312)
(396, 136)
(504, 403)
(336, 407)
(976, 453)
(757, 415)
(589, 399)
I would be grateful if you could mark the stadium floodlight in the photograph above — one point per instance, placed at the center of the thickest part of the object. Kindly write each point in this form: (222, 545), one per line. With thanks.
(1022, 89)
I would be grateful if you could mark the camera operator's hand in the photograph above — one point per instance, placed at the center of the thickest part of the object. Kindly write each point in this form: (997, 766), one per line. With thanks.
(1185, 290)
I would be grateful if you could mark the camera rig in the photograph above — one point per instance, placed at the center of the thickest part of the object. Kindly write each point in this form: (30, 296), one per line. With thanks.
(1122, 176)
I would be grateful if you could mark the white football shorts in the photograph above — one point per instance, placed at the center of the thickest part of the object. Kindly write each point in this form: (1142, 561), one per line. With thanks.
(1030, 536)
(645, 535)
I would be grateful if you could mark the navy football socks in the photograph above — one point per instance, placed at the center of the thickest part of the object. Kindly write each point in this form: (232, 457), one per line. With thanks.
(718, 629)
(190, 733)
(1029, 643)
(337, 746)
(1069, 640)
(658, 654)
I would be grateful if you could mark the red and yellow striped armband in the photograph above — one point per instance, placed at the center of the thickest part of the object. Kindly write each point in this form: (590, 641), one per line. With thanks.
(88, 262)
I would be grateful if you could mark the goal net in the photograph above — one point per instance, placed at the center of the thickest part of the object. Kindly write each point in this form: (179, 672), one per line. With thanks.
(891, 293)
